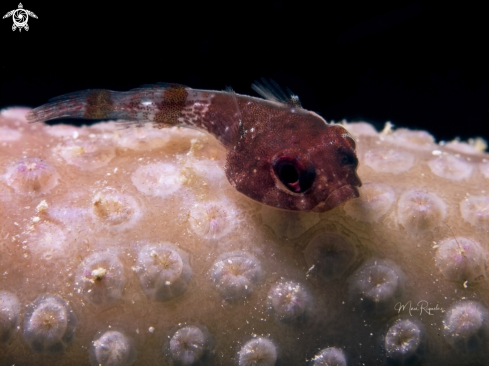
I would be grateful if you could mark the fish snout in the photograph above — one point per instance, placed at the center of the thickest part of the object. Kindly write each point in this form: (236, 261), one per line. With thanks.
(337, 197)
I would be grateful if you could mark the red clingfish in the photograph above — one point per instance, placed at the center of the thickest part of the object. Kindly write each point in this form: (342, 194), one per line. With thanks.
(278, 153)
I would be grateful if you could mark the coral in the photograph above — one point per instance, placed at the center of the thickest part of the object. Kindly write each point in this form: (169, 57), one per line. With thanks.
(466, 326)
(289, 300)
(213, 220)
(331, 356)
(451, 167)
(100, 278)
(389, 161)
(31, 176)
(132, 238)
(462, 259)
(377, 283)
(374, 202)
(86, 154)
(475, 210)
(163, 270)
(235, 275)
(49, 325)
(159, 180)
(258, 352)
(112, 348)
(115, 209)
(9, 315)
(48, 241)
(329, 255)
(410, 139)
(420, 211)
(188, 345)
(402, 341)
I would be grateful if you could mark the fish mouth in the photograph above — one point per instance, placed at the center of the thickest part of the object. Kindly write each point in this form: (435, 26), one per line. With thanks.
(337, 197)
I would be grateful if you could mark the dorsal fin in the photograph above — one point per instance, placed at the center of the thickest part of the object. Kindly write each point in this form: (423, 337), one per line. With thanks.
(242, 131)
(270, 90)
(156, 86)
(235, 100)
(159, 85)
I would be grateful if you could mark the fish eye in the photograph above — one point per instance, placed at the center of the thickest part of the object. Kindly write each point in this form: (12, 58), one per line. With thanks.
(347, 158)
(288, 174)
(293, 174)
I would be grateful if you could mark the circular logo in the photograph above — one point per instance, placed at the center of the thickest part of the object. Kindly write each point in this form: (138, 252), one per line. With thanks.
(20, 17)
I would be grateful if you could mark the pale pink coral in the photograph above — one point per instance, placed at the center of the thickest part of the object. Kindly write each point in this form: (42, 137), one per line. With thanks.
(99, 189)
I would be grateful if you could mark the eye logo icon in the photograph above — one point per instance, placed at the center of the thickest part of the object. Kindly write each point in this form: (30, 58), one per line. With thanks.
(20, 17)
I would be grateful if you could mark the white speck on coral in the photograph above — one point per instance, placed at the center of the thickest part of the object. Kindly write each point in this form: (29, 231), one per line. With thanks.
(42, 206)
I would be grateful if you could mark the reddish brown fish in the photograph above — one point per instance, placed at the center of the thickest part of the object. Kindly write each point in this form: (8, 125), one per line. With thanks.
(277, 153)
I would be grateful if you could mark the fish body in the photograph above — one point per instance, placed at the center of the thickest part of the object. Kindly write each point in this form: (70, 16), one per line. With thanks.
(278, 153)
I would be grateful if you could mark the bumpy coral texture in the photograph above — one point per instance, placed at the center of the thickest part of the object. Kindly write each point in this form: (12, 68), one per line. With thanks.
(88, 214)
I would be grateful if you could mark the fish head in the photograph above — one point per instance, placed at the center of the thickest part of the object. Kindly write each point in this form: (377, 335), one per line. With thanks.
(308, 165)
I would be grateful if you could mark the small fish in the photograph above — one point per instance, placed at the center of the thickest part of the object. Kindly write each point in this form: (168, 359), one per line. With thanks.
(278, 153)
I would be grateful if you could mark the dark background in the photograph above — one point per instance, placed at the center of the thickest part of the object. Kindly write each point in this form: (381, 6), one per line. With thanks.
(416, 64)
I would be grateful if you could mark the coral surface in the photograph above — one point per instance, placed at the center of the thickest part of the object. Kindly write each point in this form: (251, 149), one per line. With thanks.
(129, 246)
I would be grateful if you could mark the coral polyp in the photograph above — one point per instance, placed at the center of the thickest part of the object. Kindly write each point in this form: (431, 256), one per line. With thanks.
(9, 315)
(331, 356)
(258, 352)
(163, 270)
(115, 209)
(157, 180)
(289, 300)
(463, 260)
(49, 325)
(100, 279)
(213, 220)
(329, 255)
(31, 176)
(235, 275)
(189, 345)
(389, 161)
(420, 211)
(402, 341)
(377, 284)
(86, 154)
(112, 348)
(374, 202)
(466, 326)
(451, 167)
(475, 210)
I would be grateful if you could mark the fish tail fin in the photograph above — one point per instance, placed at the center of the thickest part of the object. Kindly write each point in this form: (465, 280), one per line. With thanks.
(88, 104)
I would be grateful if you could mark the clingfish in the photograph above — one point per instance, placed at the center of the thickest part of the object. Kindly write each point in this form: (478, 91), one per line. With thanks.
(278, 153)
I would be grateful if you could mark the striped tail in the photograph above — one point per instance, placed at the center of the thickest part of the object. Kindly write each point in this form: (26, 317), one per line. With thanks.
(163, 105)
(89, 104)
